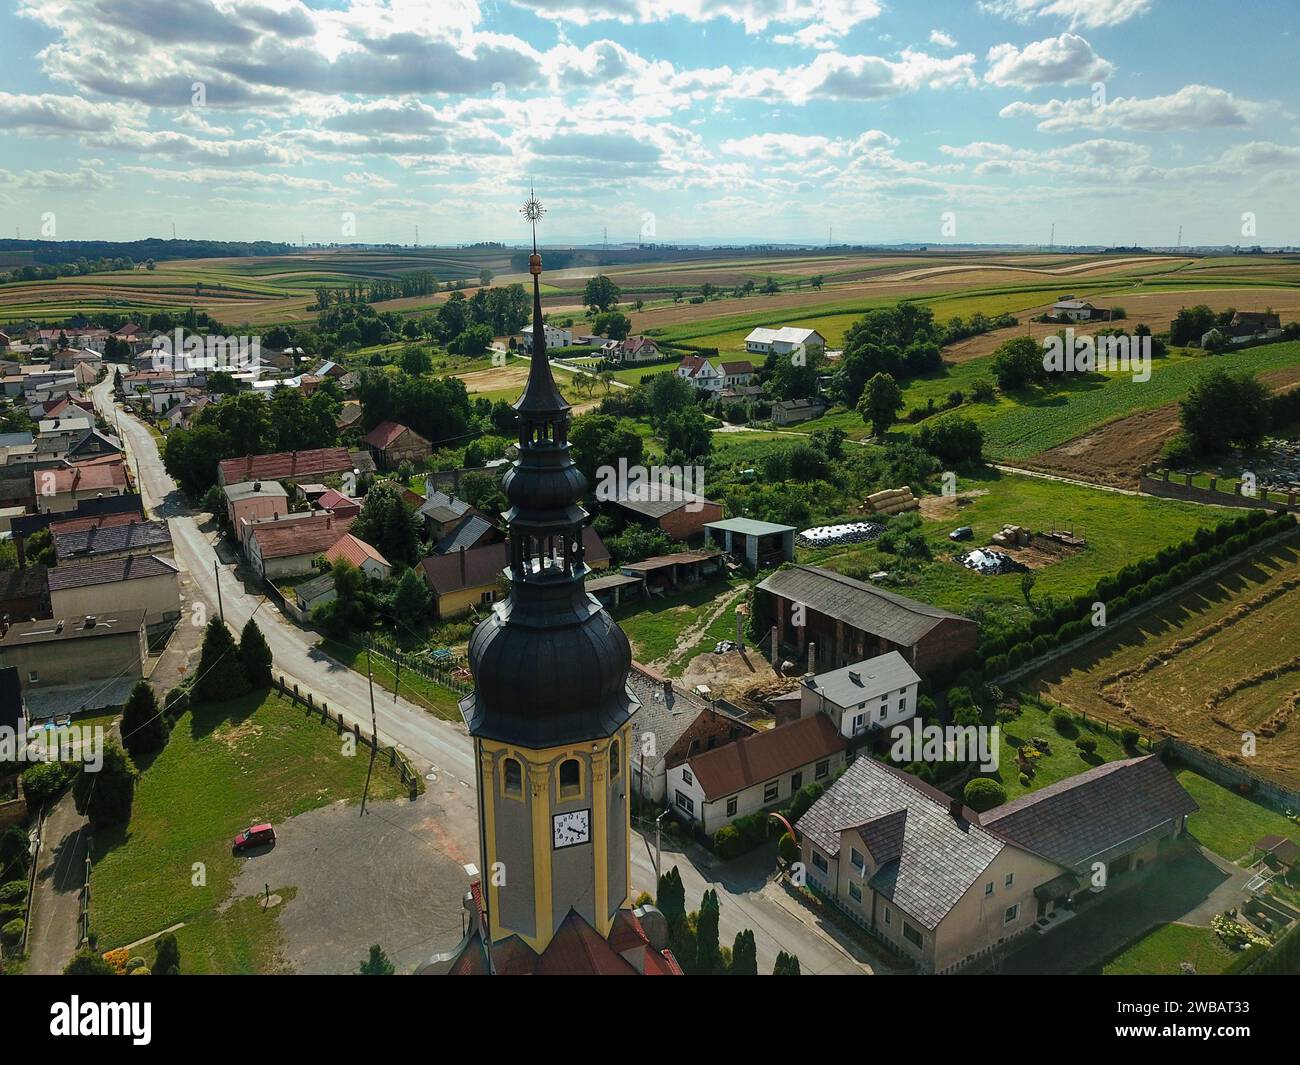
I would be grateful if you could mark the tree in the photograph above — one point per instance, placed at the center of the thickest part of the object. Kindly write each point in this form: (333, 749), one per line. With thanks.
(600, 294)
(105, 797)
(220, 675)
(902, 341)
(744, 955)
(953, 439)
(786, 965)
(144, 728)
(671, 896)
(707, 955)
(411, 598)
(416, 360)
(1190, 324)
(686, 433)
(613, 324)
(388, 524)
(88, 962)
(881, 401)
(485, 277)
(255, 656)
(668, 393)
(1223, 410)
(983, 793)
(14, 854)
(378, 964)
(1018, 363)
(167, 956)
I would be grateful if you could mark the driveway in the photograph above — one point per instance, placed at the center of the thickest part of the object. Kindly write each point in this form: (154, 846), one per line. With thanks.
(56, 904)
(1189, 888)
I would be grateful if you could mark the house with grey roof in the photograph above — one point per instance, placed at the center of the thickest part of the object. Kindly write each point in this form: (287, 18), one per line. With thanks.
(946, 887)
(851, 620)
(875, 694)
(99, 542)
(755, 544)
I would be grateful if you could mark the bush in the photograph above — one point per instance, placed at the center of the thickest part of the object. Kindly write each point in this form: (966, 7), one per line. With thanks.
(1062, 721)
(1087, 744)
(803, 799)
(1024, 780)
(176, 703)
(787, 849)
(14, 892)
(1129, 738)
(12, 934)
(42, 781)
(727, 843)
(983, 793)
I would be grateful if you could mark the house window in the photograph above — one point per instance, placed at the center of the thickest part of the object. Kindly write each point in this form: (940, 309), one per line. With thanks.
(796, 782)
(884, 709)
(859, 862)
(514, 777)
(685, 802)
(570, 779)
(686, 777)
(1012, 913)
(486, 597)
(615, 761)
(820, 863)
(988, 888)
(855, 892)
(33, 676)
(858, 722)
(823, 768)
(731, 806)
(911, 935)
(1008, 880)
(889, 915)
(771, 791)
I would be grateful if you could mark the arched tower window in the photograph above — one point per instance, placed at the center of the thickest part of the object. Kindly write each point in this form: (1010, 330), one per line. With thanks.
(514, 777)
(570, 779)
(615, 759)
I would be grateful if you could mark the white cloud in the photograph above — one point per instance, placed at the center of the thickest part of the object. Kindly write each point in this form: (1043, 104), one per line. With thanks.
(1191, 107)
(1087, 13)
(1064, 60)
(942, 39)
(53, 114)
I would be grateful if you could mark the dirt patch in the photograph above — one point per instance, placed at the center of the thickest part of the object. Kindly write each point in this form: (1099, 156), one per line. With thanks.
(1040, 552)
(233, 736)
(937, 508)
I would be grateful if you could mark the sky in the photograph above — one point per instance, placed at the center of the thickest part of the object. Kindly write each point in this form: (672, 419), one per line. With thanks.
(667, 121)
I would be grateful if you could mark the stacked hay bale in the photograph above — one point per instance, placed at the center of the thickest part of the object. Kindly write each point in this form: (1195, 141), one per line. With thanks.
(891, 501)
(1012, 535)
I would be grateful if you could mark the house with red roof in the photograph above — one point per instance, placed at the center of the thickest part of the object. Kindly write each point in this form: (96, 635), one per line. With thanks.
(393, 443)
(366, 558)
(287, 547)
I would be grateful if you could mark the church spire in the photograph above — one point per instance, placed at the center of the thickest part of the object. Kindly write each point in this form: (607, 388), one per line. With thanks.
(541, 396)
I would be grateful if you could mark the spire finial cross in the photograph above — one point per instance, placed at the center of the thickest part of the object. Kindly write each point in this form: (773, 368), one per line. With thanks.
(533, 211)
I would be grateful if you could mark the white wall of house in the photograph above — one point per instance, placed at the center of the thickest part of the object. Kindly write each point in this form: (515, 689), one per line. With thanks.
(882, 711)
(689, 803)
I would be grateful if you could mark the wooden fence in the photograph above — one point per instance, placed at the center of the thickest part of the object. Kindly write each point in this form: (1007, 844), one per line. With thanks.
(318, 707)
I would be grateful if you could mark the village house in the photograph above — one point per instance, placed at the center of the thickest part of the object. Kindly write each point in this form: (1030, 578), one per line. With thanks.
(637, 349)
(945, 887)
(24, 594)
(738, 374)
(785, 341)
(699, 373)
(148, 583)
(60, 489)
(1248, 326)
(680, 723)
(712, 788)
(876, 694)
(1073, 310)
(392, 443)
(794, 411)
(679, 514)
(121, 540)
(288, 467)
(441, 512)
(250, 501)
(369, 561)
(754, 544)
(287, 548)
(338, 504)
(850, 620)
(85, 661)
(473, 530)
(554, 337)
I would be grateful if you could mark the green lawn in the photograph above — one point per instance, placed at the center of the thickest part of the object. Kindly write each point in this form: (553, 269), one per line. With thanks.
(1159, 952)
(723, 628)
(414, 687)
(227, 765)
(1066, 760)
(1119, 529)
(655, 625)
(1228, 823)
(241, 939)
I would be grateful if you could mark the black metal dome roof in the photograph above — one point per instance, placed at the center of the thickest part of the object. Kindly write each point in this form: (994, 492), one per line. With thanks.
(550, 665)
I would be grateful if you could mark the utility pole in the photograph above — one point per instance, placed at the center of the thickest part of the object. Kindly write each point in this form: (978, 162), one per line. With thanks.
(374, 727)
(658, 845)
(216, 576)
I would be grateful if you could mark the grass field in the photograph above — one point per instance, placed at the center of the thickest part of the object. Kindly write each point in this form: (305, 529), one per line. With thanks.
(1228, 823)
(654, 626)
(1118, 529)
(1066, 760)
(1221, 660)
(1160, 952)
(415, 688)
(227, 765)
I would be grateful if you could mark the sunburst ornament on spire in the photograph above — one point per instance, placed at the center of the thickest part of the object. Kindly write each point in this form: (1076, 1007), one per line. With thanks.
(533, 211)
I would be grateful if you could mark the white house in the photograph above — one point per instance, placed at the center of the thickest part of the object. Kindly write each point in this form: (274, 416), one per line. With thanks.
(738, 374)
(714, 787)
(783, 341)
(637, 349)
(554, 337)
(698, 372)
(875, 694)
(1076, 310)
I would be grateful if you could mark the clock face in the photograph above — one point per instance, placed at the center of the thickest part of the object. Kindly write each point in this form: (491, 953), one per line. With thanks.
(572, 828)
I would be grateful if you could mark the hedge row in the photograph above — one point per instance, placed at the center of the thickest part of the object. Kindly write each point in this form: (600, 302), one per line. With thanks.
(1130, 587)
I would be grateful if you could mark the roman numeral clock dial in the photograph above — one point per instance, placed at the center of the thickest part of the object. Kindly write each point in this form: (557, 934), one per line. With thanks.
(570, 829)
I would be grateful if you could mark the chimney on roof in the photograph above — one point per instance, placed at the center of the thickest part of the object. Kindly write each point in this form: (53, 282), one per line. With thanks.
(89, 623)
(955, 809)
(812, 658)
(463, 578)
(257, 486)
(59, 627)
(855, 676)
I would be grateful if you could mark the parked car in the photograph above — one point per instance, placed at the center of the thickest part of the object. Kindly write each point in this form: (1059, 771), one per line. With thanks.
(964, 533)
(254, 836)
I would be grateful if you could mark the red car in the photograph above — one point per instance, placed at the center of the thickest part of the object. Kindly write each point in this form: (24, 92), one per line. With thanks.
(254, 836)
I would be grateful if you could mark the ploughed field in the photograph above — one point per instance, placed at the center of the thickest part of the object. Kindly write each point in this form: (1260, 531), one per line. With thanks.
(1220, 661)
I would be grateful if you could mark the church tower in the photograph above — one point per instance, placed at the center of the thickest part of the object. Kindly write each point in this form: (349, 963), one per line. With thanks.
(551, 710)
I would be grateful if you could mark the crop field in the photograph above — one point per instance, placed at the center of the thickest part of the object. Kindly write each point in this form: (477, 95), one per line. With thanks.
(1222, 660)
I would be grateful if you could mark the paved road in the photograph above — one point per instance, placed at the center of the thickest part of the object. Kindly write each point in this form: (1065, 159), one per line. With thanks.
(56, 905)
(434, 743)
